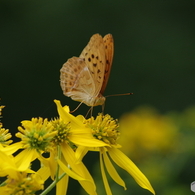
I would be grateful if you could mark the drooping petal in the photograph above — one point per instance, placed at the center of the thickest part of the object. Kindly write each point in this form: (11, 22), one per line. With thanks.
(50, 163)
(124, 162)
(80, 153)
(106, 184)
(68, 171)
(44, 172)
(112, 171)
(62, 185)
(78, 167)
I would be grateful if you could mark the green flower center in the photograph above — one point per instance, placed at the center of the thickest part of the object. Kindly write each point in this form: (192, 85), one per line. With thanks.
(63, 131)
(37, 134)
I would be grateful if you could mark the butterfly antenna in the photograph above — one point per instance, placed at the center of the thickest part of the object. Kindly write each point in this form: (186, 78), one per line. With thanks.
(76, 108)
(119, 94)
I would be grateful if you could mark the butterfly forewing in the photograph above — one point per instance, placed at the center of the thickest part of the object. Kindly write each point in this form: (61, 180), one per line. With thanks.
(109, 52)
(94, 55)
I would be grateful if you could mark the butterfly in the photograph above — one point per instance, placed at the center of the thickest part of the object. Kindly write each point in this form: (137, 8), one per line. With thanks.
(84, 78)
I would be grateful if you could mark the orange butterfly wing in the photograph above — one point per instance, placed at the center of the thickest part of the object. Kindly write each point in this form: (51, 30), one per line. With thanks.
(84, 78)
(94, 56)
(109, 52)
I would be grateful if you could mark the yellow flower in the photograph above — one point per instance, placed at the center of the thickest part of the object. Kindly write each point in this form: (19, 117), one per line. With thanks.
(105, 128)
(146, 131)
(72, 133)
(36, 136)
(78, 134)
(24, 184)
(19, 181)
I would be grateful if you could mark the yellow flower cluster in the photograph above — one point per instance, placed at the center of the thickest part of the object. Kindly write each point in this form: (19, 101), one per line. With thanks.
(60, 145)
(146, 131)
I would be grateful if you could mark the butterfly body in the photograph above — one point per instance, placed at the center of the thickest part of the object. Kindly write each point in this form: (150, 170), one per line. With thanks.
(84, 78)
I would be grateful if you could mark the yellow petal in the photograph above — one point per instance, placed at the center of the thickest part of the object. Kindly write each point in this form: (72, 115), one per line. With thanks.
(106, 184)
(62, 185)
(7, 165)
(124, 162)
(66, 108)
(78, 167)
(81, 118)
(24, 158)
(112, 171)
(50, 163)
(12, 148)
(66, 117)
(86, 140)
(68, 171)
(80, 153)
(44, 172)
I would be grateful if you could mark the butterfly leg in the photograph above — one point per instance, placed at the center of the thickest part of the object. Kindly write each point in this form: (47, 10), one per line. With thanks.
(76, 108)
(103, 106)
(90, 110)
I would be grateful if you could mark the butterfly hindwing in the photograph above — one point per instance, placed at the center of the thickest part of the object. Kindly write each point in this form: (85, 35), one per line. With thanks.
(76, 80)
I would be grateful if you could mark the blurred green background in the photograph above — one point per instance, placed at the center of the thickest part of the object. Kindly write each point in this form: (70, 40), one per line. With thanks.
(154, 58)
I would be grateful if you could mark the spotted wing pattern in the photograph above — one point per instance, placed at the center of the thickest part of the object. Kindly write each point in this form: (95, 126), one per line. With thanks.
(76, 80)
(94, 56)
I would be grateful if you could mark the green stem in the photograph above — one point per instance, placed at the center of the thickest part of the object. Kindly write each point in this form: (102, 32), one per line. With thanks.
(52, 185)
